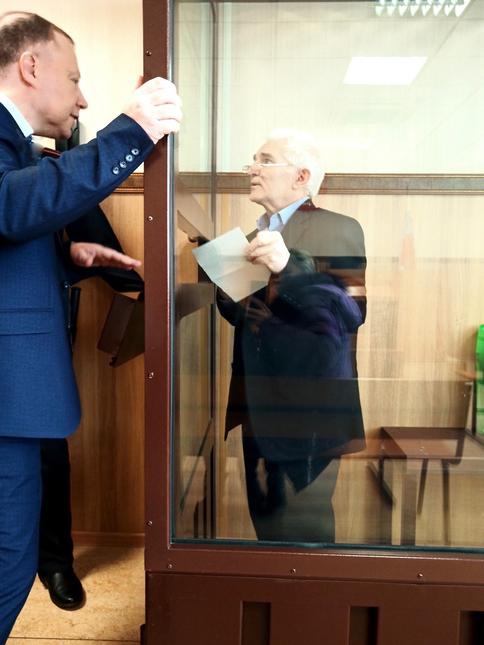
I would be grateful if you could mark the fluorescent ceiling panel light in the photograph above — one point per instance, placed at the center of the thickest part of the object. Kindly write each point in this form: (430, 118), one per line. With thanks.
(383, 70)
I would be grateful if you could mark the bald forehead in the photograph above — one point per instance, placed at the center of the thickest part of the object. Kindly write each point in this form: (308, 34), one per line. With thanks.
(12, 16)
(60, 50)
(61, 42)
(271, 150)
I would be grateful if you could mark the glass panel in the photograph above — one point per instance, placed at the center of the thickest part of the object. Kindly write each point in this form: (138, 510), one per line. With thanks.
(351, 386)
(193, 410)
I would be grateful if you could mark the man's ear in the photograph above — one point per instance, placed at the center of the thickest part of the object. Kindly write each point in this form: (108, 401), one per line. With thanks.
(28, 67)
(303, 176)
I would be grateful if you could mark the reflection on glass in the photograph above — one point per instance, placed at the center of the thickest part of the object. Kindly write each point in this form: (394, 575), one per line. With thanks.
(193, 386)
(193, 418)
(329, 440)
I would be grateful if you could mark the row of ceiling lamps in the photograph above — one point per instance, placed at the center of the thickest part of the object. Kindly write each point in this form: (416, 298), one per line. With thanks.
(420, 7)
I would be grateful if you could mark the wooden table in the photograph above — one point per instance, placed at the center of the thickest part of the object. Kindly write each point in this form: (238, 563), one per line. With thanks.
(423, 445)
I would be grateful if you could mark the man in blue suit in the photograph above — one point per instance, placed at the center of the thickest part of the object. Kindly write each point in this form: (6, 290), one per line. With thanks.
(40, 94)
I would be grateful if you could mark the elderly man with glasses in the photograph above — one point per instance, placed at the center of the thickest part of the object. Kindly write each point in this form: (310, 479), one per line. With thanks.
(294, 385)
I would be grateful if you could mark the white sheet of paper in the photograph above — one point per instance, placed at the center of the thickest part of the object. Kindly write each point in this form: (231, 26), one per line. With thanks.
(223, 260)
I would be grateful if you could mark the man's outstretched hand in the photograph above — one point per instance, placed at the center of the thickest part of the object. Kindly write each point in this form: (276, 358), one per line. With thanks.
(87, 254)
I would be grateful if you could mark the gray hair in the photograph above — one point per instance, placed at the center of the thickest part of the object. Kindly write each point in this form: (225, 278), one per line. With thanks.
(302, 150)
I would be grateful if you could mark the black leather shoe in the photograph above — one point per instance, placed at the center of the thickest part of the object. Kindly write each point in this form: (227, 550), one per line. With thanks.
(65, 589)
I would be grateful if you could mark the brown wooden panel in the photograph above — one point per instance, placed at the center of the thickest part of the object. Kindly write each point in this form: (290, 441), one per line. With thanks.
(312, 621)
(419, 623)
(415, 356)
(340, 184)
(184, 609)
(192, 617)
(95, 538)
(107, 450)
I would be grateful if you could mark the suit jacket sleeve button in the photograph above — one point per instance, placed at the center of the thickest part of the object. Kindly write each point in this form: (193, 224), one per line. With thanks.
(122, 164)
(115, 170)
(129, 157)
(135, 152)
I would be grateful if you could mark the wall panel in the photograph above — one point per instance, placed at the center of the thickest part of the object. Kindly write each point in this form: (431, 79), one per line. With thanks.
(415, 351)
(107, 450)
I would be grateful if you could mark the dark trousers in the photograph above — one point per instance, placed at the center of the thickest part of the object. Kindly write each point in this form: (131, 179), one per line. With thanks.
(55, 540)
(283, 512)
(20, 492)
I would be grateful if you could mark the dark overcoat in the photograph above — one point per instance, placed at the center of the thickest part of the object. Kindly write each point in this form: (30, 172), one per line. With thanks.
(294, 379)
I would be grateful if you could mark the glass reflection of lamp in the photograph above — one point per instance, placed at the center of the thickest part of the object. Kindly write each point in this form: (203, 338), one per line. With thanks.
(420, 7)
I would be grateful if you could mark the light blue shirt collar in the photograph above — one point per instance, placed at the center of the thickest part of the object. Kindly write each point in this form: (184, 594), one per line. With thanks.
(17, 115)
(277, 221)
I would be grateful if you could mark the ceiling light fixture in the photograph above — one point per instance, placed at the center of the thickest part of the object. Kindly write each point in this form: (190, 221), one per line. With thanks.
(383, 70)
(420, 7)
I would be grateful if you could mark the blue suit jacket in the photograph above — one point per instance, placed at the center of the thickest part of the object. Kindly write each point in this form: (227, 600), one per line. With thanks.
(38, 393)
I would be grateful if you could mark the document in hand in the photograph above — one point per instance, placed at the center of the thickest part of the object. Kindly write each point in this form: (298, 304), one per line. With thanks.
(224, 261)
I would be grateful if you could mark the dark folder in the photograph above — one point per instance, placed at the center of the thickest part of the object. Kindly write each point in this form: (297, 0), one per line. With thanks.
(123, 332)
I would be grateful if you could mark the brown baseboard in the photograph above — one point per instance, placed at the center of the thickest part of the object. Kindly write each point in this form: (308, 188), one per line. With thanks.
(92, 538)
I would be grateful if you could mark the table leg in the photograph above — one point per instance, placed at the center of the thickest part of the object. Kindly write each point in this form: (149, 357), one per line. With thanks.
(409, 506)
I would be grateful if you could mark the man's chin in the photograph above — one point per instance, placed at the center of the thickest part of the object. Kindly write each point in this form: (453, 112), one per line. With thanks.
(54, 133)
(64, 130)
(64, 133)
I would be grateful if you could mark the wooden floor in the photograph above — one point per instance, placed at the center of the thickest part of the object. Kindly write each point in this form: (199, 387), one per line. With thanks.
(114, 582)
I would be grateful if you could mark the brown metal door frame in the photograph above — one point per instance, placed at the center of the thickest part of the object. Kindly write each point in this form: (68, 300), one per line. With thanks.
(158, 277)
(162, 557)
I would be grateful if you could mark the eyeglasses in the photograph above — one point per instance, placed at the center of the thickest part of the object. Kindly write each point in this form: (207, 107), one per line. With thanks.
(263, 164)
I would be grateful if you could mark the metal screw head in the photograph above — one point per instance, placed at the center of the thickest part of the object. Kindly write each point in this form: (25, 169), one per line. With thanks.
(169, 566)
(420, 576)
(148, 52)
(149, 523)
(150, 218)
(151, 375)
(292, 571)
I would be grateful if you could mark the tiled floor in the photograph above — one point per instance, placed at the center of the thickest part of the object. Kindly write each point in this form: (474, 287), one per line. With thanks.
(114, 582)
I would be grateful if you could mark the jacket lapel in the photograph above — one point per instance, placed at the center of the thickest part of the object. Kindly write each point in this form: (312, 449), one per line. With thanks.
(10, 131)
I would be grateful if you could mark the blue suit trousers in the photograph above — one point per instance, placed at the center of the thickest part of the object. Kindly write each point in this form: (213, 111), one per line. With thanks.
(20, 498)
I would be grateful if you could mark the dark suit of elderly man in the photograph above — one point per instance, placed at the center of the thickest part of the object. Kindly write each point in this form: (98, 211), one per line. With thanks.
(40, 94)
(294, 383)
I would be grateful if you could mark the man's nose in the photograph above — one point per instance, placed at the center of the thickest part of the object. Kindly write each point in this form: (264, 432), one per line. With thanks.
(81, 101)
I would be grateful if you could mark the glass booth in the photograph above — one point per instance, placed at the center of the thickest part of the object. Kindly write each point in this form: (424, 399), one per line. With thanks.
(321, 422)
